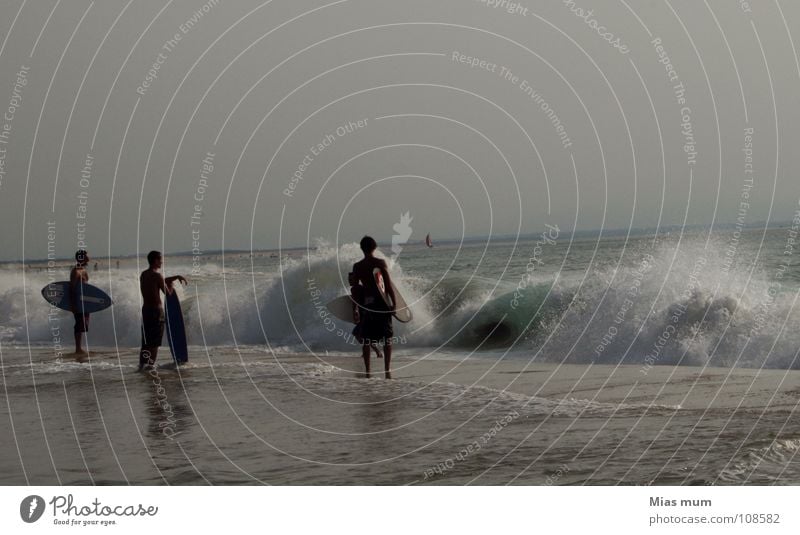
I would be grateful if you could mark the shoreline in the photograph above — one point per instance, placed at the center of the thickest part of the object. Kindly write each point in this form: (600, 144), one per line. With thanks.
(684, 387)
(663, 386)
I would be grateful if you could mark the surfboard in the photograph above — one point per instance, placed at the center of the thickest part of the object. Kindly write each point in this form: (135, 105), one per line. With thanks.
(176, 329)
(93, 299)
(342, 308)
(401, 311)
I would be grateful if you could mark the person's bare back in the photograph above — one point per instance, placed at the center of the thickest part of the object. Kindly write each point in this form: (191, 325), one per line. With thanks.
(151, 283)
(375, 314)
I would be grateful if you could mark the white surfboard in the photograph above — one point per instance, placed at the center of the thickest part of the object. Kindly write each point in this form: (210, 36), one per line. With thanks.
(342, 308)
(401, 311)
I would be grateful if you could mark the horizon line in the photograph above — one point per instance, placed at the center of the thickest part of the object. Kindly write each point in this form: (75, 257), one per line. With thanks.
(639, 231)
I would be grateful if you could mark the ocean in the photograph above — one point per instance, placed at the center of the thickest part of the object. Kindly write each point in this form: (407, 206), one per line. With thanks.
(554, 359)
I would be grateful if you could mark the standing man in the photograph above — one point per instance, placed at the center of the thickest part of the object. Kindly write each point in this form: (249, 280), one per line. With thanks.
(375, 314)
(77, 278)
(152, 283)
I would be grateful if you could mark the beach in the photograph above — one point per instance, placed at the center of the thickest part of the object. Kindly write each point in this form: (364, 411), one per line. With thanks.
(249, 417)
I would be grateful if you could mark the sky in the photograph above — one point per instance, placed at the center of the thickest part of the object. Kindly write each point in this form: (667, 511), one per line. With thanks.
(207, 125)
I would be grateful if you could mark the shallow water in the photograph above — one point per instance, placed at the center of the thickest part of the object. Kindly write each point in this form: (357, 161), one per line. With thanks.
(249, 418)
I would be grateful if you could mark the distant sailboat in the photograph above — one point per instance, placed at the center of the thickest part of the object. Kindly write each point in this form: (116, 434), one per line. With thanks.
(428, 241)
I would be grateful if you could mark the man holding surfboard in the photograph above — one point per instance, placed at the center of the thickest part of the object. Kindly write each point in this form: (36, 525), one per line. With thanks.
(375, 314)
(152, 283)
(357, 298)
(77, 278)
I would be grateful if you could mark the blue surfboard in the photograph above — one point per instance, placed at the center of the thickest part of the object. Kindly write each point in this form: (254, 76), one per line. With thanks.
(92, 300)
(176, 330)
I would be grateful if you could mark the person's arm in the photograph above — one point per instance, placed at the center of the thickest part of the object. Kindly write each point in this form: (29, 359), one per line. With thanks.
(169, 280)
(162, 285)
(356, 313)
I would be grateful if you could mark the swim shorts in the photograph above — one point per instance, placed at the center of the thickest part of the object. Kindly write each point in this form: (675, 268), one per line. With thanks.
(152, 326)
(376, 326)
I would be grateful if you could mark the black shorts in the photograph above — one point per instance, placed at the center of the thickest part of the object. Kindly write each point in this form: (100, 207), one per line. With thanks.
(152, 326)
(375, 326)
(81, 323)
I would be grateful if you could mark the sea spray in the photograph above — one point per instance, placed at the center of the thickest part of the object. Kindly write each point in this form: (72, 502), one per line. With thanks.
(683, 313)
(618, 312)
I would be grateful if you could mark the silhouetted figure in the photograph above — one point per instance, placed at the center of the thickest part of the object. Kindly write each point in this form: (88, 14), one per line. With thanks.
(375, 317)
(152, 283)
(77, 278)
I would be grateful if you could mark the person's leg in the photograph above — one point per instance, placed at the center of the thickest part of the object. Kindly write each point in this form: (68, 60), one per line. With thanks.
(144, 357)
(152, 335)
(388, 335)
(387, 357)
(144, 353)
(365, 356)
(81, 326)
(147, 357)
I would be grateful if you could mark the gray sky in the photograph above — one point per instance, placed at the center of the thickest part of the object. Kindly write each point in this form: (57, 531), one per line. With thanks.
(463, 149)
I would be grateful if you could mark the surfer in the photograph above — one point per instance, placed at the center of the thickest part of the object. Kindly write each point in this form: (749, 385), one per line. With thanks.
(376, 315)
(152, 283)
(77, 278)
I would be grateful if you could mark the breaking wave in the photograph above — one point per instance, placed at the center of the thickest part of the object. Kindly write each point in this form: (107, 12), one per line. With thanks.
(658, 308)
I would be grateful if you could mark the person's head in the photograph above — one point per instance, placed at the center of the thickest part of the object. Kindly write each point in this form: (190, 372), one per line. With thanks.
(368, 245)
(154, 259)
(82, 257)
